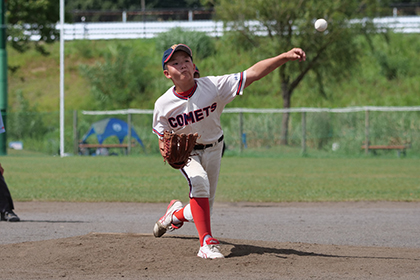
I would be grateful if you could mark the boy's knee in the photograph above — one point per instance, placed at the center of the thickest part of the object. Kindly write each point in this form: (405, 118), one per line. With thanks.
(200, 187)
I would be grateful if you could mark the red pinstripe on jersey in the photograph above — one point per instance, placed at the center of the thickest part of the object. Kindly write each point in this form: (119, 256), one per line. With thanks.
(241, 80)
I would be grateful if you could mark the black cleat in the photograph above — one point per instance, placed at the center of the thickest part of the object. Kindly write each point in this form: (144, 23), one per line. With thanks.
(9, 216)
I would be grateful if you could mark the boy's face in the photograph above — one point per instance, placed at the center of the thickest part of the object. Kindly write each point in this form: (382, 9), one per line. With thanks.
(180, 67)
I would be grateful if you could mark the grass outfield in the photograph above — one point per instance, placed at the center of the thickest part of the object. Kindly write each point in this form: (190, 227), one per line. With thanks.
(148, 179)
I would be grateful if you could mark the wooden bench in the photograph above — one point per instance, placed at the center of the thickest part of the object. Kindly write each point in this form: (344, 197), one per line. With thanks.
(400, 148)
(108, 146)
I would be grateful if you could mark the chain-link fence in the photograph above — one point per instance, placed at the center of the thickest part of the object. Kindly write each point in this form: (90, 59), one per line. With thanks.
(328, 131)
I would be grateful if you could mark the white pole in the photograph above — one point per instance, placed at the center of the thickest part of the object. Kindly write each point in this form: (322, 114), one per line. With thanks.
(61, 78)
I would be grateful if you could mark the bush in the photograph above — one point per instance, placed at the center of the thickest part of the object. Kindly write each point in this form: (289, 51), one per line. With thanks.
(120, 79)
(26, 122)
(201, 45)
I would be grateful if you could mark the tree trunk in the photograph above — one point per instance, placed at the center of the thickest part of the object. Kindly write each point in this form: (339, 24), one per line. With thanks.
(286, 93)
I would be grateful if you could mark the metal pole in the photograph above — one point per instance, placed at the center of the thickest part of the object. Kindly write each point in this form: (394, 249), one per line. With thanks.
(75, 134)
(367, 132)
(143, 10)
(303, 132)
(3, 79)
(61, 78)
(129, 134)
(241, 131)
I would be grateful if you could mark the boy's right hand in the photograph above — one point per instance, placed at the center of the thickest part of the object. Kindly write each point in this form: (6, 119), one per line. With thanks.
(295, 54)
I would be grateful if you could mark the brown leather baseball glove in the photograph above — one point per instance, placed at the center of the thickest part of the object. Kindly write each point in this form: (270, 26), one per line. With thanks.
(178, 148)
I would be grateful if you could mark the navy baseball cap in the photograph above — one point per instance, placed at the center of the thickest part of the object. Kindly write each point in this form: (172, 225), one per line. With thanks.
(169, 52)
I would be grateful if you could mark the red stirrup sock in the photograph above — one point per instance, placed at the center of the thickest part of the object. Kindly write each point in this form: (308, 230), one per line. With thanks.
(200, 209)
(180, 215)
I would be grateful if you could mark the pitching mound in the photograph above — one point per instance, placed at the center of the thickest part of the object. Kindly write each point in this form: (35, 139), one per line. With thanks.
(138, 256)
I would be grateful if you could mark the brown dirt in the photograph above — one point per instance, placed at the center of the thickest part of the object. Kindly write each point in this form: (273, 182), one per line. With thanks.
(92, 241)
(141, 256)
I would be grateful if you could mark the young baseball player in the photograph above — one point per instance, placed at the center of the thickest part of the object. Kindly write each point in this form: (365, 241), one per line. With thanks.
(6, 201)
(194, 106)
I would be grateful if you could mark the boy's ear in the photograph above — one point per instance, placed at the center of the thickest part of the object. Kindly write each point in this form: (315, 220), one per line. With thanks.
(167, 75)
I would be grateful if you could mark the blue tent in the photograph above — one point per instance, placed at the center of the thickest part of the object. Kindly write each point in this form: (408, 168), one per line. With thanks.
(110, 127)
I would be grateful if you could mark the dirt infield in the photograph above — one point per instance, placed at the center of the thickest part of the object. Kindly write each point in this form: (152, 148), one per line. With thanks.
(112, 241)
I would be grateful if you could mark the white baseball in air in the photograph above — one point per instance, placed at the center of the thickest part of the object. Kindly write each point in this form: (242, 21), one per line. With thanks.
(321, 25)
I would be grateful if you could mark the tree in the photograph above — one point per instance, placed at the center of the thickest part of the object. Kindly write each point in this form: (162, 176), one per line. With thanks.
(288, 24)
(32, 17)
(120, 79)
(130, 5)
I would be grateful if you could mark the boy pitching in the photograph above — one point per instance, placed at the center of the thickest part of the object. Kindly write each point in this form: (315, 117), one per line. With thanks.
(194, 105)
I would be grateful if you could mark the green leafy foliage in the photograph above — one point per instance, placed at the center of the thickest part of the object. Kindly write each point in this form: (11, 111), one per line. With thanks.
(119, 80)
(201, 45)
(289, 24)
(365, 85)
(108, 5)
(36, 78)
(26, 17)
(26, 122)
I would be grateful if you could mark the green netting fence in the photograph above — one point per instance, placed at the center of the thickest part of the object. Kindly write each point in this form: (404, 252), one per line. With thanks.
(330, 132)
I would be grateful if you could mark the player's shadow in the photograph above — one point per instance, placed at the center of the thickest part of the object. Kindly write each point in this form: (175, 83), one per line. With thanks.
(241, 250)
(52, 222)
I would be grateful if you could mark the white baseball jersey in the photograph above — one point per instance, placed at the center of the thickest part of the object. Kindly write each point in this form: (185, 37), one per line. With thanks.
(200, 111)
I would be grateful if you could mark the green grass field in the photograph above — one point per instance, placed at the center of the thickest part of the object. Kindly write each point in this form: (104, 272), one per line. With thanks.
(148, 179)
